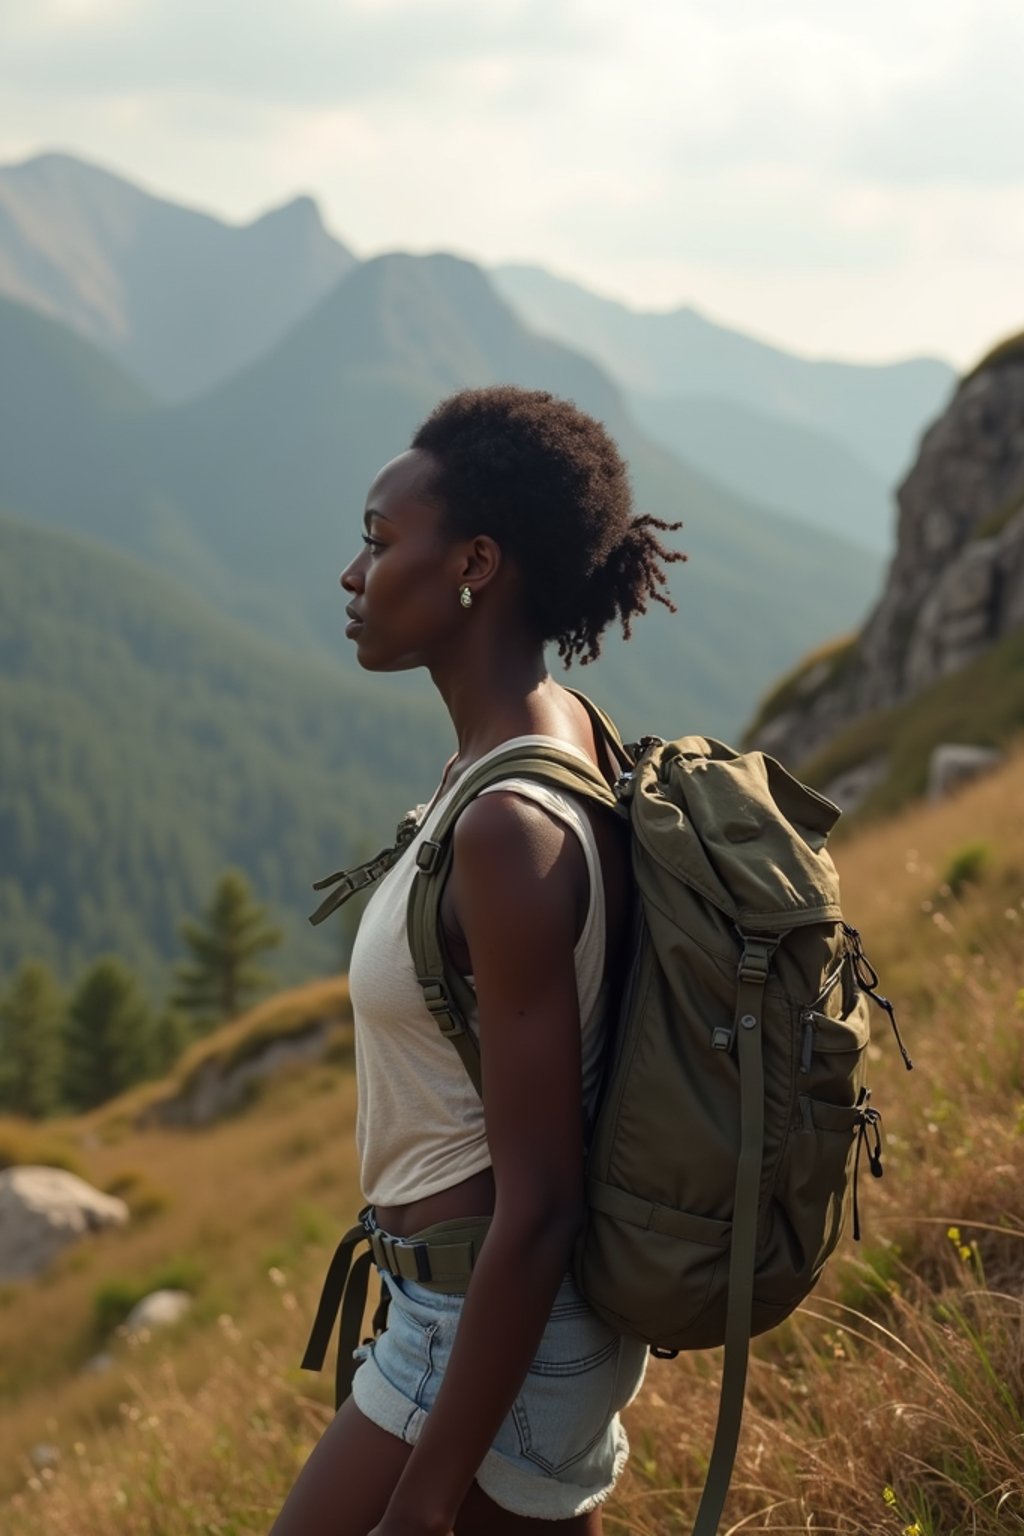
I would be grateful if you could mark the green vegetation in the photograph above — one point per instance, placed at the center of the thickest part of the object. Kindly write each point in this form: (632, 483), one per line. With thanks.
(31, 1047)
(966, 866)
(149, 744)
(221, 977)
(115, 1297)
(109, 1040)
(892, 1399)
(983, 704)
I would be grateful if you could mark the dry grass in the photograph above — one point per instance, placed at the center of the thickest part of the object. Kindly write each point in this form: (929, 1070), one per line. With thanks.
(891, 1403)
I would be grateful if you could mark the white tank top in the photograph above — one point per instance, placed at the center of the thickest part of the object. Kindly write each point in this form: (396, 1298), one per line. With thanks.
(420, 1123)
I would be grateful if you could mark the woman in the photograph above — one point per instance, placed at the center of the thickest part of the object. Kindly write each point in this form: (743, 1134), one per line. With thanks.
(506, 525)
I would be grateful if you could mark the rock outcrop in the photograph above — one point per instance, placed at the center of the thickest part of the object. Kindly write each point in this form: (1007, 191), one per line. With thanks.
(42, 1211)
(220, 1085)
(956, 583)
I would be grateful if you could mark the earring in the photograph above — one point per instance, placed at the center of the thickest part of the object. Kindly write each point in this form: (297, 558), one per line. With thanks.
(465, 597)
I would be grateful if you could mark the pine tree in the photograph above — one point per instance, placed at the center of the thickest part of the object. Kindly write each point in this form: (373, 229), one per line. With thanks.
(172, 1034)
(221, 977)
(109, 1040)
(31, 1044)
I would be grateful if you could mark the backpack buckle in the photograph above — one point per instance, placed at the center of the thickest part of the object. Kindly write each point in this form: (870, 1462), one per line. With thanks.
(428, 857)
(756, 959)
(439, 1005)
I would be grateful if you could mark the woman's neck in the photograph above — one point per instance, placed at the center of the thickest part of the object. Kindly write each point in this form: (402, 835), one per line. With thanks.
(492, 698)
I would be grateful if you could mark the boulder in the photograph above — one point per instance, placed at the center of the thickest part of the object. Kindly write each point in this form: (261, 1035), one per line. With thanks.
(42, 1211)
(157, 1310)
(952, 764)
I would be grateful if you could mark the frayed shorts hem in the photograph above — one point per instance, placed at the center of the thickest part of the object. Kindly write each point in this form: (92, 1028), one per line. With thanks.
(518, 1491)
(530, 1470)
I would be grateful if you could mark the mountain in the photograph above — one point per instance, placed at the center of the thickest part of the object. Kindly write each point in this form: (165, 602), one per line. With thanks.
(247, 491)
(182, 299)
(775, 462)
(147, 742)
(344, 391)
(941, 656)
(876, 412)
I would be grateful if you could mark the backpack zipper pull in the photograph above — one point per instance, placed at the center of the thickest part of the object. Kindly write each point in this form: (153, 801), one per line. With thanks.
(807, 1043)
(867, 980)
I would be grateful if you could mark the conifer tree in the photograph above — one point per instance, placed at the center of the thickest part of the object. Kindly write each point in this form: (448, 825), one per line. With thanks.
(109, 1039)
(222, 976)
(31, 1043)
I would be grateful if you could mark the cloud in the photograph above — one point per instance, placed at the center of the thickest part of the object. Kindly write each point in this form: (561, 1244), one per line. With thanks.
(862, 161)
(308, 52)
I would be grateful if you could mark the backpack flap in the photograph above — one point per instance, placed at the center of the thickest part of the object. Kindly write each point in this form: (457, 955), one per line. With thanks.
(740, 831)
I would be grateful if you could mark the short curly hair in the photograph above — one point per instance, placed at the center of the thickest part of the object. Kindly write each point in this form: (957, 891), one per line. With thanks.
(546, 481)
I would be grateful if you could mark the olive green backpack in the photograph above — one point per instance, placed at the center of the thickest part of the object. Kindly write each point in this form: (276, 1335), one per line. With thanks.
(733, 1110)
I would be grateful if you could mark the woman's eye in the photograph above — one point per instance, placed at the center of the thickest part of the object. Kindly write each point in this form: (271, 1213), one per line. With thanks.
(373, 545)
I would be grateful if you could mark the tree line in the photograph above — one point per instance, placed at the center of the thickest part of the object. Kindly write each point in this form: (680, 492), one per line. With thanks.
(70, 1051)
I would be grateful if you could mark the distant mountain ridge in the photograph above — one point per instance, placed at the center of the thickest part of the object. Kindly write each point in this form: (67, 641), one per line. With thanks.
(680, 354)
(181, 298)
(248, 490)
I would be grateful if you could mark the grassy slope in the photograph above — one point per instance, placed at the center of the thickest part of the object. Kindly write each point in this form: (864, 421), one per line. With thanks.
(917, 1389)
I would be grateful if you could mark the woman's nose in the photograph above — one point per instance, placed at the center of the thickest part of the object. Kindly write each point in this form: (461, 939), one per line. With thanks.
(351, 577)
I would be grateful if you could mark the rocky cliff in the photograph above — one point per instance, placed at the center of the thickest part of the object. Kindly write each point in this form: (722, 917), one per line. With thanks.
(954, 590)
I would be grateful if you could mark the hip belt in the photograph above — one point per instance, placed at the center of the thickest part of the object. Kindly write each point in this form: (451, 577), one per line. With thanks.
(441, 1257)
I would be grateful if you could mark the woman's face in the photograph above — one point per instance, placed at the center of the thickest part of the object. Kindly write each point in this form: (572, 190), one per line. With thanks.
(404, 583)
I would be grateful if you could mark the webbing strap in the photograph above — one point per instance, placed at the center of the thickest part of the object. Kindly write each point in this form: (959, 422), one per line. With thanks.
(344, 1290)
(440, 1257)
(752, 974)
(447, 995)
(347, 882)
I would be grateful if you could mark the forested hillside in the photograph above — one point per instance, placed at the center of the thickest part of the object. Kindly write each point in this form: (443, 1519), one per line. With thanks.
(253, 494)
(147, 742)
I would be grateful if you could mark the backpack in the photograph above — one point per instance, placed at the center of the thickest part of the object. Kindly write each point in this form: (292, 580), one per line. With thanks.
(733, 1110)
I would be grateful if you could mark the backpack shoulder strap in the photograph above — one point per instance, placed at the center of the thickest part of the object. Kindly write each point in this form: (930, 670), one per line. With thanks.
(622, 758)
(447, 994)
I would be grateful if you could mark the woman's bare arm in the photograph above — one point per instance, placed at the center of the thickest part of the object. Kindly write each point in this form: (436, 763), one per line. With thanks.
(518, 879)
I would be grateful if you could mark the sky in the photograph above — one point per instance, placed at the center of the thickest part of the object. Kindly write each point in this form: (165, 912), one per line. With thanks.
(845, 180)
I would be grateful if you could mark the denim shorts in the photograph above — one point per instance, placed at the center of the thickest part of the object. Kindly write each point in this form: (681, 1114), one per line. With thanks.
(561, 1447)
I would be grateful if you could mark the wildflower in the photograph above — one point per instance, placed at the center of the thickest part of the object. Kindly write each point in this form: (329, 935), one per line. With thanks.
(965, 1250)
(889, 1495)
(275, 1275)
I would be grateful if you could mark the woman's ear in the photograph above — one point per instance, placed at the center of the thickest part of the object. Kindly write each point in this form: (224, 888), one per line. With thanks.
(481, 562)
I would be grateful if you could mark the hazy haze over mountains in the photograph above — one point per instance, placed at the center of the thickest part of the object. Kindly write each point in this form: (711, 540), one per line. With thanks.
(180, 297)
(233, 456)
(185, 300)
(825, 440)
(253, 492)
